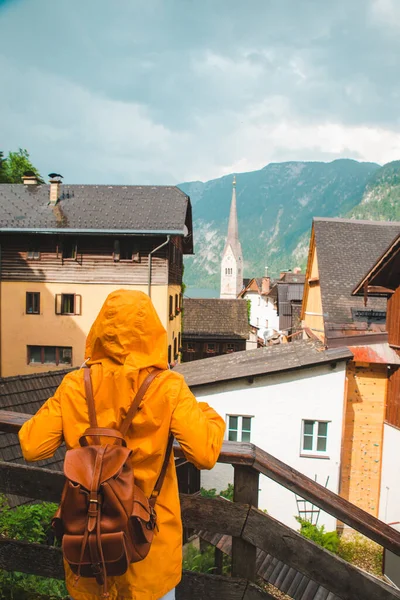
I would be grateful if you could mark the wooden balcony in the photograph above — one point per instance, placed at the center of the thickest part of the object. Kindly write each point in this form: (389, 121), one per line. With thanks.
(252, 531)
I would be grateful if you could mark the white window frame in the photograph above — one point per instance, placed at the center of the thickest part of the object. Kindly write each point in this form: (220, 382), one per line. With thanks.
(315, 436)
(239, 429)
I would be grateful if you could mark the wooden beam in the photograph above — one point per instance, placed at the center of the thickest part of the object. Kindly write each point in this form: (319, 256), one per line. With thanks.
(245, 491)
(328, 570)
(11, 422)
(31, 482)
(35, 559)
(199, 586)
(379, 289)
(328, 501)
(217, 515)
(46, 561)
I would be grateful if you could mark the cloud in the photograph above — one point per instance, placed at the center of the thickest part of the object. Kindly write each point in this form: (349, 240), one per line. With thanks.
(161, 92)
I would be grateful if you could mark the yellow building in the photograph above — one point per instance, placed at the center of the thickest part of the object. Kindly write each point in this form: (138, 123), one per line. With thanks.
(341, 252)
(65, 248)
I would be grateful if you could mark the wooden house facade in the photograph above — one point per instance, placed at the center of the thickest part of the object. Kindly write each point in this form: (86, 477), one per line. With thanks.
(60, 259)
(341, 252)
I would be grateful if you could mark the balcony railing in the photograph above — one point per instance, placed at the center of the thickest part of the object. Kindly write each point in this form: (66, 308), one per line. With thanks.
(250, 528)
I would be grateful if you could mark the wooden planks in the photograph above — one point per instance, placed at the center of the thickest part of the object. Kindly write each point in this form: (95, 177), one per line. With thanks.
(245, 490)
(322, 567)
(363, 435)
(94, 263)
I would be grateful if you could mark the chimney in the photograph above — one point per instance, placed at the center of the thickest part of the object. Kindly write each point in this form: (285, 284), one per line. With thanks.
(29, 178)
(55, 184)
(265, 286)
(297, 270)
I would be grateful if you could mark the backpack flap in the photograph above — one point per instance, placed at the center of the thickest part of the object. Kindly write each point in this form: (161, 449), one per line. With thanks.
(79, 464)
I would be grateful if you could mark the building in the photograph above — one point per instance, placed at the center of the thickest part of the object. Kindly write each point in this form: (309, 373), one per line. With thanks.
(232, 257)
(212, 327)
(341, 253)
(64, 248)
(286, 399)
(287, 294)
(383, 280)
(263, 313)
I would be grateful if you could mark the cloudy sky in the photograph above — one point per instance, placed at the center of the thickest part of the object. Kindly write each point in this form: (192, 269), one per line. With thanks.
(164, 91)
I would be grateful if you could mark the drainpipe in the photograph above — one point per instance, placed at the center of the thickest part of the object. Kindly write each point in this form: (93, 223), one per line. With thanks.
(150, 255)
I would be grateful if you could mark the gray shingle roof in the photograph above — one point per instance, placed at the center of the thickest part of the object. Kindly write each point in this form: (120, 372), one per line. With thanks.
(95, 207)
(261, 361)
(26, 394)
(346, 250)
(215, 317)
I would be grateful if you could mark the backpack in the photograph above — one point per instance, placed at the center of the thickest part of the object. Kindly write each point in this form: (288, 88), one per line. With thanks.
(105, 521)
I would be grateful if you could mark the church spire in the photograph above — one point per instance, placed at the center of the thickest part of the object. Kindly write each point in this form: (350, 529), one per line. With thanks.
(233, 229)
(232, 259)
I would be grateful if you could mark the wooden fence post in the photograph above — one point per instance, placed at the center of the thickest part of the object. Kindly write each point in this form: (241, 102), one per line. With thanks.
(246, 482)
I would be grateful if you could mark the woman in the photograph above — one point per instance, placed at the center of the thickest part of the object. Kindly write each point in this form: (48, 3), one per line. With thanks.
(126, 342)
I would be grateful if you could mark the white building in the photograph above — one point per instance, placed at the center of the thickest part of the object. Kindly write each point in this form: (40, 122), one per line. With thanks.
(263, 312)
(286, 399)
(232, 257)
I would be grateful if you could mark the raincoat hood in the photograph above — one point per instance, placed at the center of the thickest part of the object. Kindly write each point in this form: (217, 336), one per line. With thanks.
(127, 332)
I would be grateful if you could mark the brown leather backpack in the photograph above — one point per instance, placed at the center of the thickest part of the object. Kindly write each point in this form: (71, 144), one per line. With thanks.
(105, 520)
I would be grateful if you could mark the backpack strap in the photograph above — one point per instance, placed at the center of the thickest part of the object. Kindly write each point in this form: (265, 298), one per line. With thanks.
(161, 477)
(138, 398)
(90, 403)
(89, 398)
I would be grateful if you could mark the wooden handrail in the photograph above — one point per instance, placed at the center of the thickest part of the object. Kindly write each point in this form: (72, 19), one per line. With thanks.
(243, 454)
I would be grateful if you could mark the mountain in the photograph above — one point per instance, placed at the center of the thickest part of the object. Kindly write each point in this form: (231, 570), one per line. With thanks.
(381, 198)
(275, 209)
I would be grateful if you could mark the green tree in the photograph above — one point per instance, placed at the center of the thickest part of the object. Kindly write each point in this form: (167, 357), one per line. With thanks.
(3, 169)
(18, 163)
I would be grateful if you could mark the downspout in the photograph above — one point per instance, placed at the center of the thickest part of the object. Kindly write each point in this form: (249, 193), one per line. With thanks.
(149, 267)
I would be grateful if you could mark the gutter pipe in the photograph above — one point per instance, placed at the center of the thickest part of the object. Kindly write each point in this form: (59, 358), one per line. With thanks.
(149, 262)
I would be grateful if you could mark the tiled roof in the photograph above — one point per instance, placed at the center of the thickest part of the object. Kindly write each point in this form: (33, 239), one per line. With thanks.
(346, 250)
(95, 207)
(26, 394)
(386, 271)
(261, 361)
(215, 317)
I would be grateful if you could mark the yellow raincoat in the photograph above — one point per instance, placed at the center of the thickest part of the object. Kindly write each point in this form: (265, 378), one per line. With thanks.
(125, 342)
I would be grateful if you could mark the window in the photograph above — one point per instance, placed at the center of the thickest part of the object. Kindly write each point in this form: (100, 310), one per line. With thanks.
(169, 354)
(68, 304)
(239, 428)
(315, 437)
(69, 249)
(171, 308)
(175, 348)
(126, 250)
(210, 348)
(53, 355)
(190, 347)
(179, 342)
(176, 304)
(230, 348)
(33, 254)
(32, 303)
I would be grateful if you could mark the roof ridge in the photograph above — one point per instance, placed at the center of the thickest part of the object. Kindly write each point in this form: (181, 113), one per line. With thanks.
(35, 375)
(361, 221)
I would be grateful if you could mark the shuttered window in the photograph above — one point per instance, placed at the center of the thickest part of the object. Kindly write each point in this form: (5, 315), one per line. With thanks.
(68, 304)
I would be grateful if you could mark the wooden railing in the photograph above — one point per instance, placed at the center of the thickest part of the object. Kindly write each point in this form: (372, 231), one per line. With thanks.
(250, 528)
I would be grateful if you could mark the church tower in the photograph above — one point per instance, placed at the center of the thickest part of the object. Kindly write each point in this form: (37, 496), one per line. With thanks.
(232, 259)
